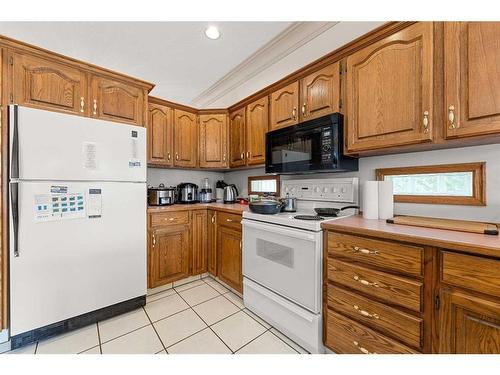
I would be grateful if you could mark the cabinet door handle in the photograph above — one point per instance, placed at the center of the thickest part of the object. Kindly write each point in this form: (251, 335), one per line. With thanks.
(224, 157)
(451, 117)
(95, 107)
(168, 156)
(248, 154)
(304, 110)
(176, 156)
(242, 155)
(294, 113)
(361, 349)
(172, 219)
(154, 239)
(365, 282)
(365, 313)
(82, 104)
(425, 121)
(213, 219)
(358, 249)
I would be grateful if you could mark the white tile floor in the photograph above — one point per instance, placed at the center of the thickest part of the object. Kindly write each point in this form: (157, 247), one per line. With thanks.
(199, 317)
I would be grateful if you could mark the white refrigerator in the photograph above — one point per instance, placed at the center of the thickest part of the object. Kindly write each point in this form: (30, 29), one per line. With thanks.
(77, 240)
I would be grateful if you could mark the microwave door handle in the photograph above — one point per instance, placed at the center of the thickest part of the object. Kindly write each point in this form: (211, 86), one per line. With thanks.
(14, 209)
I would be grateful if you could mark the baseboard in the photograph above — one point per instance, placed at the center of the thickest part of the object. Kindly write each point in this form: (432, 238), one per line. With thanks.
(76, 322)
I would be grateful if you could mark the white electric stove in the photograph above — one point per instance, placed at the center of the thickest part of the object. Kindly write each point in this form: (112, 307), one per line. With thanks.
(282, 258)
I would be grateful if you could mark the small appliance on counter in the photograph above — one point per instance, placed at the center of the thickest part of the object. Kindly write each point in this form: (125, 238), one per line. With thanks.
(206, 192)
(219, 190)
(161, 195)
(230, 193)
(187, 193)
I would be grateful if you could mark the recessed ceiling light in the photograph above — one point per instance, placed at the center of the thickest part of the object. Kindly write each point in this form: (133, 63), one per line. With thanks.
(212, 32)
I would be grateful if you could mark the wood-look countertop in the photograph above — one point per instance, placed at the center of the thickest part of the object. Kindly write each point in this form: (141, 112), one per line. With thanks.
(479, 244)
(234, 208)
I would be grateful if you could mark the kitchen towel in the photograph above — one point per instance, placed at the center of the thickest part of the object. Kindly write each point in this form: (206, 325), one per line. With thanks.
(370, 200)
(385, 200)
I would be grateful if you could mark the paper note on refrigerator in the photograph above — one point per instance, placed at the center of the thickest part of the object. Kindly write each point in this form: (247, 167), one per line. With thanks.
(94, 203)
(59, 206)
(89, 151)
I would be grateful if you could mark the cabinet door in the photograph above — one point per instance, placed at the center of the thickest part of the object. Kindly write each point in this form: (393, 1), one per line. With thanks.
(472, 78)
(160, 135)
(257, 123)
(284, 106)
(229, 253)
(212, 242)
(185, 139)
(469, 324)
(169, 258)
(237, 138)
(389, 91)
(213, 141)
(320, 92)
(199, 242)
(116, 101)
(48, 85)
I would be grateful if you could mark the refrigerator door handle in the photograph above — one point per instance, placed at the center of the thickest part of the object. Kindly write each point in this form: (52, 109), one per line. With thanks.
(14, 209)
(14, 146)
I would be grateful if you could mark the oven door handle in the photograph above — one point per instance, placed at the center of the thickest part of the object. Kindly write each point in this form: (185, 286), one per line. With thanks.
(278, 229)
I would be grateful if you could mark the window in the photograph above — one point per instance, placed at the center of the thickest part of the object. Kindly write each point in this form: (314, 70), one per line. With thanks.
(264, 185)
(461, 184)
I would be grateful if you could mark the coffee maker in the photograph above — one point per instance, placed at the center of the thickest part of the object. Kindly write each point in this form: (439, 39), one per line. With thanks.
(206, 192)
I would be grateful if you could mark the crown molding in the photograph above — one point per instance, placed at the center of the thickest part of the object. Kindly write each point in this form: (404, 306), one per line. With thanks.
(292, 38)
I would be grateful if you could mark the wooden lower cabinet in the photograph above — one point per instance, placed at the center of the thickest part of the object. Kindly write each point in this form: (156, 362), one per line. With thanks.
(169, 254)
(212, 242)
(199, 237)
(229, 257)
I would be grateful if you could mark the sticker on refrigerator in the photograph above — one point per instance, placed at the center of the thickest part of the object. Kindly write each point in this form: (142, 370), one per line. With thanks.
(94, 203)
(89, 151)
(134, 161)
(59, 206)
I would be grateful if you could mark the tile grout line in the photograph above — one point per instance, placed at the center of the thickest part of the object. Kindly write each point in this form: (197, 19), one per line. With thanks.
(252, 340)
(99, 337)
(209, 326)
(124, 334)
(154, 328)
(288, 343)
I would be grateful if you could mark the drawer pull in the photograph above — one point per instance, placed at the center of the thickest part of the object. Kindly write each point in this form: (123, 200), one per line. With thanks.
(365, 282)
(365, 313)
(361, 349)
(171, 219)
(229, 220)
(358, 249)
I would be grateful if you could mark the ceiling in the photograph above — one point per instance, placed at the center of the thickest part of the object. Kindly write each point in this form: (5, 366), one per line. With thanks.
(176, 56)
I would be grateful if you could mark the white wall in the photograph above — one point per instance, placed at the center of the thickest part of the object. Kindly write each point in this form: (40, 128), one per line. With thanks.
(367, 166)
(172, 177)
(335, 37)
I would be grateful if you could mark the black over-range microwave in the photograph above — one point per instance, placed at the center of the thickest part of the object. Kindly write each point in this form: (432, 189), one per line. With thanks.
(309, 147)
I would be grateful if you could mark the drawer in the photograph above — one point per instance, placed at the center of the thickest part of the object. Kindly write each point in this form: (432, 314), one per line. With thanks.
(346, 336)
(395, 323)
(471, 272)
(169, 218)
(229, 220)
(392, 289)
(385, 254)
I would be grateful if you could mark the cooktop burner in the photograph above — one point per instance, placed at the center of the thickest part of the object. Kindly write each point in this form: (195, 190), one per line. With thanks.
(309, 217)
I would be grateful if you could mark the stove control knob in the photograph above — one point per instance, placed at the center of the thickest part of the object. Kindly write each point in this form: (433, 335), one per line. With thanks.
(316, 189)
(334, 190)
(344, 190)
(325, 190)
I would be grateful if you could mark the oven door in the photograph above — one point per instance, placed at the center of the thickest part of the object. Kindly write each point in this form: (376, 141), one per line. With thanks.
(285, 260)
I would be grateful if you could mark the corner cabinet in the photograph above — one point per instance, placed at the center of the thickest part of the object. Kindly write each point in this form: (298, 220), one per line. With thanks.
(237, 138)
(257, 124)
(212, 242)
(213, 141)
(160, 135)
(185, 139)
(284, 107)
(46, 84)
(472, 78)
(389, 91)
(199, 242)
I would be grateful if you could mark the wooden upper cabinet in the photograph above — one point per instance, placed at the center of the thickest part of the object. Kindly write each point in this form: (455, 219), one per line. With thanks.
(185, 139)
(160, 135)
(237, 138)
(285, 106)
(116, 101)
(320, 92)
(49, 85)
(257, 124)
(469, 324)
(213, 141)
(472, 78)
(389, 87)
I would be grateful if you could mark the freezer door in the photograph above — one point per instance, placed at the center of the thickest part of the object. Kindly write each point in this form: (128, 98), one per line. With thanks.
(49, 146)
(73, 261)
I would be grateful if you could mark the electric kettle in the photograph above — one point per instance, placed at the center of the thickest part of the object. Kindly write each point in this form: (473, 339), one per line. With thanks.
(230, 193)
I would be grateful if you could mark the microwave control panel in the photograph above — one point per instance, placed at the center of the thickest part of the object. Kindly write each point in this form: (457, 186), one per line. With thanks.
(332, 189)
